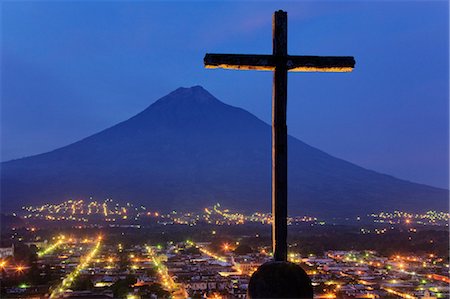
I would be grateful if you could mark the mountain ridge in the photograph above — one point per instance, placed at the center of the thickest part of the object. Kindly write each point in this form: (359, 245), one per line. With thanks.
(187, 147)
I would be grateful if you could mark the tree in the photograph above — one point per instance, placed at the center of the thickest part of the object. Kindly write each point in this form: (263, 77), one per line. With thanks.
(151, 272)
(243, 249)
(124, 261)
(158, 290)
(123, 286)
(82, 283)
(192, 250)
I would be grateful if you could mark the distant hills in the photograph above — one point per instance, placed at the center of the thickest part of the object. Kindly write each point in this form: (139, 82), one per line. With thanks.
(189, 150)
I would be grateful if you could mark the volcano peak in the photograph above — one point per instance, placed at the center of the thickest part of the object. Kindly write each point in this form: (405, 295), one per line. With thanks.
(188, 95)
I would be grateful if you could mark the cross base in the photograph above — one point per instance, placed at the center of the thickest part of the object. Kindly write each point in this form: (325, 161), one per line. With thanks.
(280, 280)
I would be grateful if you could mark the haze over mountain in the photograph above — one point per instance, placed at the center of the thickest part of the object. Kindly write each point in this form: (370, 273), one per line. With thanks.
(189, 150)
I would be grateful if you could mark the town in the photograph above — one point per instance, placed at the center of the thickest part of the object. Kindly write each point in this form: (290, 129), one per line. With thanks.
(107, 250)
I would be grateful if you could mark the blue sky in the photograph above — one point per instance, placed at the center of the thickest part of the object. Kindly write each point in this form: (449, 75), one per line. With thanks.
(71, 69)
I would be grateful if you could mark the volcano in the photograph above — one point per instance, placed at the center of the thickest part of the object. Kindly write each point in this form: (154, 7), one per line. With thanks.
(189, 150)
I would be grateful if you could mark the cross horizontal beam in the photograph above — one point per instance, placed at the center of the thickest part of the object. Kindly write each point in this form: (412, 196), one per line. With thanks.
(269, 62)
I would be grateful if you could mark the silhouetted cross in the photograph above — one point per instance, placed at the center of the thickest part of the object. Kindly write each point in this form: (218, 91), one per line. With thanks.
(279, 62)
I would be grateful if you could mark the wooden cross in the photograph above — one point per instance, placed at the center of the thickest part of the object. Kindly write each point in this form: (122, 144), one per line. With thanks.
(279, 62)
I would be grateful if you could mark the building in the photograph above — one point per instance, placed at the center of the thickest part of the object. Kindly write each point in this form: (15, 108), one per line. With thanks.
(6, 251)
(427, 295)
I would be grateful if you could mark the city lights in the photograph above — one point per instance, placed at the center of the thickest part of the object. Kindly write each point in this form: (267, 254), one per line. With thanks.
(68, 280)
(212, 267)
(52, 247)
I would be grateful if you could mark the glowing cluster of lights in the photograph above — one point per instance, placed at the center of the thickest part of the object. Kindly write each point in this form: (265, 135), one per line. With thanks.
(235, 217)
(18, 268)
(366, 258)
(398, 293)
(109, 211)
(70, 278)
(207, 252)
(166, 280)
(411, 265)
(227, 217)
(428, 218)
(175, 217)
(52, 247)
(83, 211)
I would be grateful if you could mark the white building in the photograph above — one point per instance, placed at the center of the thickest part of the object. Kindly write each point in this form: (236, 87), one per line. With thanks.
(6, 251)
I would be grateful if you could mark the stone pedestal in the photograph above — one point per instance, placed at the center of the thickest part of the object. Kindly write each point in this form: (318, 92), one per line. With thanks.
(280, 280)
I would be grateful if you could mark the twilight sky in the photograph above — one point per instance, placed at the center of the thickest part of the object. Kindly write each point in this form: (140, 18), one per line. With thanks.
(72, 69)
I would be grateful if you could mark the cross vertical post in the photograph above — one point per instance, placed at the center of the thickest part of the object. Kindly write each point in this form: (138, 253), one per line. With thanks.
(280, 63)
(279, 138)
